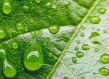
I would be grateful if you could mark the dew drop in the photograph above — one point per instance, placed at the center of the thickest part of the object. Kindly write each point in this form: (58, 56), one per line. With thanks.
(74, 59)
(95, 19)
(104, 71)
(79, 54)
(38, 1)
(104, 58)
(33, 34)
(40, 32)
(66, 78)
(78, 6)
(19, 26)
(25, 8)
(102, 10)
(54, 29)
(95, 38)
(50, 54)
(82, 78)
(2, 33)
(85, 47)
(33, 58)
(6, 8)
(15, 46)
(82, 34)
(78, 42)
(26, 29)
(8, 70)
(76, 48)
(96, 50)
(104, 31)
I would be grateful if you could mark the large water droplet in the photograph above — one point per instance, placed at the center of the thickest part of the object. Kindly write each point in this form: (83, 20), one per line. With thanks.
(38, 1)
(95, 19)
(15, 46)
(104, 58)
(95, 38)
(104, 71)
(8, 70)
(79, 54)
(54, 29)
(33, 57)
(102, 10)
(2, 33)
(74, 59)
(85, 47)
(6, 8)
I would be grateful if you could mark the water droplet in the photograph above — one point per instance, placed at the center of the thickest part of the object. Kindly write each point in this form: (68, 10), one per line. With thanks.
(50, 54)
(82, 34)
(74, 59)
(78, 42)
(31, 20)
(76, 48)
(2, 33)
(6, 8)
(83, 28)
(48, 5)
(95, 38)
(104, 71)
(40, 32)
(8, 70)
(15, 46)
(78, 6)
(79, 54)
(25, 8)
(66, 78)
(54, 29)
(104, 31)
(19, 26)
(102, 10)
(96, 49)
(104, 58)
(33, 34)
(33, 58)
(85, 47)
(26, 29)
(38, 1)
(95, 19)
(82, 78)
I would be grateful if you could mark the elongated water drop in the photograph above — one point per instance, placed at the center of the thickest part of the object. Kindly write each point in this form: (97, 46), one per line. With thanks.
(79, 54)
(95, 38)
(8, 70)
(2, 33)
(104, 58)
(104, 71)
(38, 1)
(85, 47)
(54, 29)
(33, 34)
(102, 10)
(6, 8)
(95, 19)
(33, 58)
(15, 46)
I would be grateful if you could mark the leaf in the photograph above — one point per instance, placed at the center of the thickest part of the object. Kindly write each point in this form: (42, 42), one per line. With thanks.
(28, 23)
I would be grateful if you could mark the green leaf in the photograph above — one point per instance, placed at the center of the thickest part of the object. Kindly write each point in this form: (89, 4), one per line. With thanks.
(53, 27)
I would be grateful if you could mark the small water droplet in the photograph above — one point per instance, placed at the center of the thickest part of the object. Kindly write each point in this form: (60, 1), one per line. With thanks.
(66, 78)
(104, 71)
(98, 29)
(104, 31)
(82, 34)
(50, 54)
(95, 38)
(15, 46)
(95, 19)
(74, 59)
(78, 6)
(102, 10)
(79, 54)
(96, 50)
(78, 42)
(48, 5)
(8, 70)
(6, 8)
(2, 33)
(38, 1)
(85, 47)
(26, 29)
(25, 8)
(33, 58)
(33, 34)
(54, 29)
(83, 28)
(19, 26)
(104, 58)
(40, 32)
(76, 48)
(82, 78)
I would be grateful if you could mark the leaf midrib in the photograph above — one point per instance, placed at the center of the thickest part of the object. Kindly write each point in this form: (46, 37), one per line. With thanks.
(71, 39)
